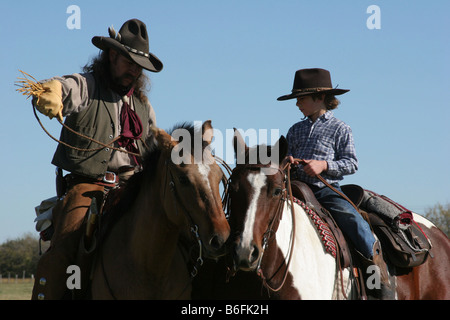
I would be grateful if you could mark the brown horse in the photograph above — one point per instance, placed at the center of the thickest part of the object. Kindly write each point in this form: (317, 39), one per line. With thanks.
(283, 255)
(169, 215)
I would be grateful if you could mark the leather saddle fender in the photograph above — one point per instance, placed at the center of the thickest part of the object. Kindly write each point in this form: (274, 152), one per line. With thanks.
(302, 191)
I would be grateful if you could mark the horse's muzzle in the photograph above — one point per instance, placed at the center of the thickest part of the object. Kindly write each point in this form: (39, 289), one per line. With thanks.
(215, 247)
(245, 257)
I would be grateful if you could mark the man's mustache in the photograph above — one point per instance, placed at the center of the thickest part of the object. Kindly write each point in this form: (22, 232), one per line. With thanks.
(129, 76)
(126, 76)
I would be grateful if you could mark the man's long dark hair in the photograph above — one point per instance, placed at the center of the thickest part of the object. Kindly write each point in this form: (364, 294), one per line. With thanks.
(100, 66)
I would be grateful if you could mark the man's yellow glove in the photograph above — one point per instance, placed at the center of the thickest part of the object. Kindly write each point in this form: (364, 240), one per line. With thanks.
(49, 102)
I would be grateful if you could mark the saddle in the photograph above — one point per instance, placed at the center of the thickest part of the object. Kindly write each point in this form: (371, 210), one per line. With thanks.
(406, 245)
(403, 241)
(97, 222)
(302, 191)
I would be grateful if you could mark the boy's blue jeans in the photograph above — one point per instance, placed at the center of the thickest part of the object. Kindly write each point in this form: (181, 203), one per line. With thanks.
(347, 218)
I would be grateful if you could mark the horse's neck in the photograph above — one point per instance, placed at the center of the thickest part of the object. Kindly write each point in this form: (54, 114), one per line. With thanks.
(312, 269)
(154, 238)
(145, 243)
(307, 238)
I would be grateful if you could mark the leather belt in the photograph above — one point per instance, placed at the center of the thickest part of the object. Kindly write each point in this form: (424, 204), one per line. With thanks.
(110, 179)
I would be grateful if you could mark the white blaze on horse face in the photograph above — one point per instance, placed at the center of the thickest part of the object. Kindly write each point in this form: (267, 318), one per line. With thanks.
(257, 181)
(204, 170)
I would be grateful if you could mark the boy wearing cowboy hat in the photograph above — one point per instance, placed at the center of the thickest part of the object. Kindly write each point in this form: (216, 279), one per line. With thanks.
(326, 144)
(108, 104)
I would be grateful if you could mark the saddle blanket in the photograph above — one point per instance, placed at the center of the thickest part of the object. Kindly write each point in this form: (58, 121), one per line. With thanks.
(326, 235)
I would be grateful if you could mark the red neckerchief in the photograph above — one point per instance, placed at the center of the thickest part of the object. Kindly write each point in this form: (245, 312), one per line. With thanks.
(131, 126)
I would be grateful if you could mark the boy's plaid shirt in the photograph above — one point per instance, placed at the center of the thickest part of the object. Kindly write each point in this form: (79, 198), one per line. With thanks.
(328, 139)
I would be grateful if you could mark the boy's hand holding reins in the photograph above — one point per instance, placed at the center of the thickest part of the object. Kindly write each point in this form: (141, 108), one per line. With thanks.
(316, 166)
(311, 167)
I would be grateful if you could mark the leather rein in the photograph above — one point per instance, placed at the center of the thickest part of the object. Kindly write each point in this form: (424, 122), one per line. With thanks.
(29, 86)
(193, 225)
(102, 145)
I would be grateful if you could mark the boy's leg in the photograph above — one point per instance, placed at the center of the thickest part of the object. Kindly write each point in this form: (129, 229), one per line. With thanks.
(348, 219)
(358, 231)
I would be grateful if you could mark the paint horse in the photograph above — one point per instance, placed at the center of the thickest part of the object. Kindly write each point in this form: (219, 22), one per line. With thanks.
(167, 213)
(430, 280)
(284, 255)
(276, 237)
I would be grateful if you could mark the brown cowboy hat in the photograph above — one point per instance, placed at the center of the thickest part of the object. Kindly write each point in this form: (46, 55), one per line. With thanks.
(132, 42)
(309, 81)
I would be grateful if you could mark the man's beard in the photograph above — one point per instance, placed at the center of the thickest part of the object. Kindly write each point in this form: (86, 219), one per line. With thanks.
(119, 87)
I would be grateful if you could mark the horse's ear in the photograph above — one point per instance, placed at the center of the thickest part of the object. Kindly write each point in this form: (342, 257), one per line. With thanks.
(164, 139)
(281, 146)
(240, 148)
(207, 131)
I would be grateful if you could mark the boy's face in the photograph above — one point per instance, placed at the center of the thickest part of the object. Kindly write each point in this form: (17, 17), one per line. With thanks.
(311, 108)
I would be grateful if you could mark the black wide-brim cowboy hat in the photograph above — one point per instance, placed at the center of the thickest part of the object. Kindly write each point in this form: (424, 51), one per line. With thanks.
(132, 42)
(311, 81)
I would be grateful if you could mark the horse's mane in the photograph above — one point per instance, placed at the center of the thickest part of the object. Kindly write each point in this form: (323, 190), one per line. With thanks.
(130, 190)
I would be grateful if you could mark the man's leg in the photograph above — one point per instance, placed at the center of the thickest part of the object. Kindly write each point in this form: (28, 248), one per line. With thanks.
(68, 215)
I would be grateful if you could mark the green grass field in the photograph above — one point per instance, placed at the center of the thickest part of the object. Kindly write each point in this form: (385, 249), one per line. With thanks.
(13, 289)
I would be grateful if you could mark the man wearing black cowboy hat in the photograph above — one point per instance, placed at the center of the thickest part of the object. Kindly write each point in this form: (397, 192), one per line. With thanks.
(326, 144)
(106, 103)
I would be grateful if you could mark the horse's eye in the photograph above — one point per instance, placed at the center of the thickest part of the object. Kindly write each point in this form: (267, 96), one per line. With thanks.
(277, 192)
(184, 180)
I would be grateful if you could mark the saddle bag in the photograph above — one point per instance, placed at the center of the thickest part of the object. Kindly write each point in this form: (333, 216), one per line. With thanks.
(405, 248)
(44, 215)
(404, 242)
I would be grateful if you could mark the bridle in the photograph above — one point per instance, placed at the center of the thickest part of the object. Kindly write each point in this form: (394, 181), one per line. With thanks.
(193, 226)
(271, 230)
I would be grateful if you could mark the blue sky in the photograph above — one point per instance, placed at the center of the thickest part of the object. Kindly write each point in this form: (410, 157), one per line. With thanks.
(228, 61)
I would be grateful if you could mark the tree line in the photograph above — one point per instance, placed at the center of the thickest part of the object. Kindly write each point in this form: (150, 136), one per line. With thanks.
(19, 256)
(440, 216)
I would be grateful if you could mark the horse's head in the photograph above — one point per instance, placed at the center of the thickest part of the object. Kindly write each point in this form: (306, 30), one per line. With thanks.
(256, 191)
(192, 180)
